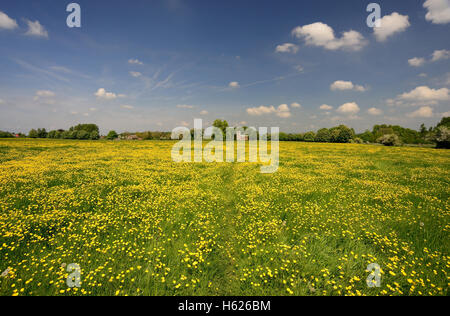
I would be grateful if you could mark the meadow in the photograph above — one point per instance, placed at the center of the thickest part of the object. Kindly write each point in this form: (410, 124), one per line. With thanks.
(139, 224)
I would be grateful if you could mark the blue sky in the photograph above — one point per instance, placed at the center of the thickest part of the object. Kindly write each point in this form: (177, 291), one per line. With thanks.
(155, 65)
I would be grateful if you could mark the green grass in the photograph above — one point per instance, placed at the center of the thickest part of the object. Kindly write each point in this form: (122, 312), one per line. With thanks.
(139, 224)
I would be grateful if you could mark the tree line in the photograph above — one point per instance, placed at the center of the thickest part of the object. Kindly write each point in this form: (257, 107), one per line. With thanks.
(389, 135)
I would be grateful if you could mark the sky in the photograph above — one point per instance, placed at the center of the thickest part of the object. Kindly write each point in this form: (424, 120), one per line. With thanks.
(158, 64)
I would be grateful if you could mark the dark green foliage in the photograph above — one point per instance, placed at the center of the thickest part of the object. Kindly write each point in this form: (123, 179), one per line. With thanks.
(6, 134)
(33, 134)
(323, 136)
(444, 122)
(112, 135)
(85, 127)
(309, 137)
(341, 134)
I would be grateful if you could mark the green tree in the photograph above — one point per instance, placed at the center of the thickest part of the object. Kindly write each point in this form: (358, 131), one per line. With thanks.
(113, 135)
(223, 125)
(5, 134)
(94, 135)
(323, 136)
(444, 122)
(33, 134)
(82, 135)
(85, 127)
(309, 137)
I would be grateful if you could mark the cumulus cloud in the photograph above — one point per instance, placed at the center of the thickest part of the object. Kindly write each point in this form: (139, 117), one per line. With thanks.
(135, 74)
(390, 25)
(36, 29)
(437, 55)
(416, 62)
(6, 22)
(424, 93)
(282, 111)
(440, 55)
(287, 48)
(346, 85)
(438, 11)
(103, 94)
(322, 35)
(127, 107)
(326, 107)
(234, 85)
(349, 108)
(135, 62)
(424, 112)
(204, 113)
(375, 111)
(296, 105)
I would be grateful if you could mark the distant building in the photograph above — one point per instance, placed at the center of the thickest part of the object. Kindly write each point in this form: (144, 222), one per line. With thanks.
(241, 137)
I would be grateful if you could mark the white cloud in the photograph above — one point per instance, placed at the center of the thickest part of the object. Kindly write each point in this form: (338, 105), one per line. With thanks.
(446, 114)
(424, 111)
(349, 108)
(416, 62)
(135, 62)
(36, 29)
(127, 107)
(135, 74)
(326, 107)
(185, 106)
(346, 85)
(45, 93)
(296, 105)
(282, 111)
(375, 111)
(234, 85)
(322, 35)
(102, 94)
(390, 25)
(6, 22)
(424, 93)
(204, 113)
(262, 110)
(440, 55)
(287, 48)
(438, 11)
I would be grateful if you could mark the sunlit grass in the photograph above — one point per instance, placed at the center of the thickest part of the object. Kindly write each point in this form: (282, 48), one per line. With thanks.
(139, 224)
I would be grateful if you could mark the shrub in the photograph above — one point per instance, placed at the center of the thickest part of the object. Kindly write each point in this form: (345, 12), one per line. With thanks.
(389, 140)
